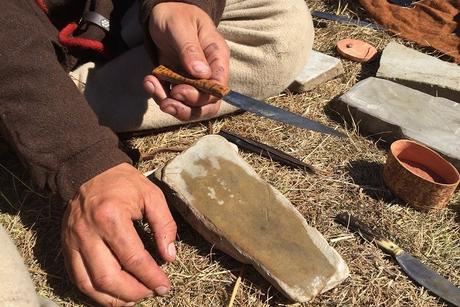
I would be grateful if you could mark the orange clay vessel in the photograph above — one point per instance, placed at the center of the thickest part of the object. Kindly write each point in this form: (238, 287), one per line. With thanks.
(419, 175)
(356, 50)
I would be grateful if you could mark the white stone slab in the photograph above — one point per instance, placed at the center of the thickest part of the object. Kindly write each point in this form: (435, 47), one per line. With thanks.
(390, 110)
(319, 69)
(420, 71)
(225, 200)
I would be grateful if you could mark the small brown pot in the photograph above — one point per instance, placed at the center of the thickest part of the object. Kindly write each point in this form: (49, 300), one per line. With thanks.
(419, 175)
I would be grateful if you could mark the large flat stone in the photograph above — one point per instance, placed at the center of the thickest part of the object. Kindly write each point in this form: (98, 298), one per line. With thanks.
(225, 200)
(420, 71)
(389, 110)
(319, 69)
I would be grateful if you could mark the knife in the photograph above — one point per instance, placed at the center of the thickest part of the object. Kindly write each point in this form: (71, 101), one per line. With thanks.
(347, 20)
(413, 267)
(244, 102)
(266, 151)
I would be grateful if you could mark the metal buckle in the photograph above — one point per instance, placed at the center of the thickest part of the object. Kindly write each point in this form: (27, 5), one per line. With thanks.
(96, 19)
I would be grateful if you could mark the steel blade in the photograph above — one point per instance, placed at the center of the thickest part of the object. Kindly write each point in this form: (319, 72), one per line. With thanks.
(266, 110)
(429, 279)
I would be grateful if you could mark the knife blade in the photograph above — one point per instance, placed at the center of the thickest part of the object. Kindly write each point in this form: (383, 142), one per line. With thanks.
(266, 151)
(347, 20)
(415, 269)
(244, 102)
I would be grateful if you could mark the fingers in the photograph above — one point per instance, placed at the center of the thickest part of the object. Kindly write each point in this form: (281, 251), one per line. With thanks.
(183, 112)
(104, 254)
(218, 56)
(78, 274)
(191, 96)
(154, 88)
(194, 43)
(202, 106)
(130, 252)
(190, 52)
(162, 224)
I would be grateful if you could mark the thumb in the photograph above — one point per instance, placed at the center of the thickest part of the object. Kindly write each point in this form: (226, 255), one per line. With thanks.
(193, 58)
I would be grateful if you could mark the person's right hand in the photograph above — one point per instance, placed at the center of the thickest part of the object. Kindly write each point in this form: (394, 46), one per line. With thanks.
(104, 255)
(187, 38)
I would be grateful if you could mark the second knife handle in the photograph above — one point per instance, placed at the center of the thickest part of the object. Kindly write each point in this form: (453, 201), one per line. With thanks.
(204, 85)
(349, 221)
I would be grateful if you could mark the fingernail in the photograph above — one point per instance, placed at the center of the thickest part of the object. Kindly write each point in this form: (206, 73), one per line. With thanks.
(150, 86)
(162, 290)
(170, 110)
(179, 97)
(130, 304)
(172, 250)
(200, 67)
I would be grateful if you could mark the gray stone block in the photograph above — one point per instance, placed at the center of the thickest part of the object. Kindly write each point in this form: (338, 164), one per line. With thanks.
(319, 69)
(420, 71)
(388, 110)
(225, 200)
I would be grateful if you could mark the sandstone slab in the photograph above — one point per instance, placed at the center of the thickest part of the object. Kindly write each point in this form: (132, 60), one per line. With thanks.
(420, 71)
(389, 110)
(319, 69)
(225, 200)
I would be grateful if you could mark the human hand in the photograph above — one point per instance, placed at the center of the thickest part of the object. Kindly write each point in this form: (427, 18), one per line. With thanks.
(103, 253)
(187, 37)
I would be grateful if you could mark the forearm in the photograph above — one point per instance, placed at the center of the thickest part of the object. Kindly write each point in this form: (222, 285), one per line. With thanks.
(42, 114)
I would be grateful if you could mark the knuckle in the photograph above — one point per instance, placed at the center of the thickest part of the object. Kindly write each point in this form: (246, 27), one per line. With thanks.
(155, 190)
(171, 226)
(75, 231)
(84, 286)
(104, 213)
(168, 229)
(190, 48)
(103, 283)
(135, 260)
(115, 302)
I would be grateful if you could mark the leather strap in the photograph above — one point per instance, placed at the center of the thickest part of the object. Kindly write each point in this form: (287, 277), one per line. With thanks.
(97, 19)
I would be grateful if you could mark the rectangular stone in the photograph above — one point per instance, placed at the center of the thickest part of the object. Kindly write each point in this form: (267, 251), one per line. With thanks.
(225, 200)
(420, 71)
(389, 110)
(319, 69)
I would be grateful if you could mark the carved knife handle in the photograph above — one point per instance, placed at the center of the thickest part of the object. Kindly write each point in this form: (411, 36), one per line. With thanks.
(349, 221)
(204, 85)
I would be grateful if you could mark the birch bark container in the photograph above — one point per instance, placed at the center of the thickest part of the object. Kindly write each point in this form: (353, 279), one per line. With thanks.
(419, 175)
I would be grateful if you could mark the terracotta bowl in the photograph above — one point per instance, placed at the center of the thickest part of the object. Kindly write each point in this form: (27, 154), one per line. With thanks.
(419, 176)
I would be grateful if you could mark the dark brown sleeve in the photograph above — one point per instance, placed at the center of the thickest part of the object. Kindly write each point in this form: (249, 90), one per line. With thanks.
(42, 114)
(214, 8)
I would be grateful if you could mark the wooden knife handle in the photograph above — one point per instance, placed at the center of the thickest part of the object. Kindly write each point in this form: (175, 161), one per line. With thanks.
(204, 85)
(349, 221)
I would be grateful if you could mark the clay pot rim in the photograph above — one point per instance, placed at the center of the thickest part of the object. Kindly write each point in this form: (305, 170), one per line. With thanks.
(395, 143)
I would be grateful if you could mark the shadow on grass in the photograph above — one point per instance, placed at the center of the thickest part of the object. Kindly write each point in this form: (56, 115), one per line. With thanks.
(43, 215)
(369, 176)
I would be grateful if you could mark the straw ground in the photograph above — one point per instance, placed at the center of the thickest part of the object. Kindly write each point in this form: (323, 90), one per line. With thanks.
(349, 179)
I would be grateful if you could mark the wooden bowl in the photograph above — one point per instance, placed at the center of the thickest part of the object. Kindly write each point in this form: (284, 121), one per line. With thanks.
(419, 175)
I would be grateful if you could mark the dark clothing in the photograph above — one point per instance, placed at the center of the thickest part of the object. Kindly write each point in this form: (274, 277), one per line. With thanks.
(42, 114)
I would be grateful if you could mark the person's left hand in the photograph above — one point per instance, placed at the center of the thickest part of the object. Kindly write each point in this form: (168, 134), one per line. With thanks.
(187, 38)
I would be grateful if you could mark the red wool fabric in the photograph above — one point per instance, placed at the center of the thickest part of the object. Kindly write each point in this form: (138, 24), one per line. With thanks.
(430, 23)
(66, 39)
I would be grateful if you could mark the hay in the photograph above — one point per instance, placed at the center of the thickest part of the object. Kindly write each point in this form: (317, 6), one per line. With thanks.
(350, 179)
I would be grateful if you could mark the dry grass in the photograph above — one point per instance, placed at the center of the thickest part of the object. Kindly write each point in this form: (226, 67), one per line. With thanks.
(350, 179)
